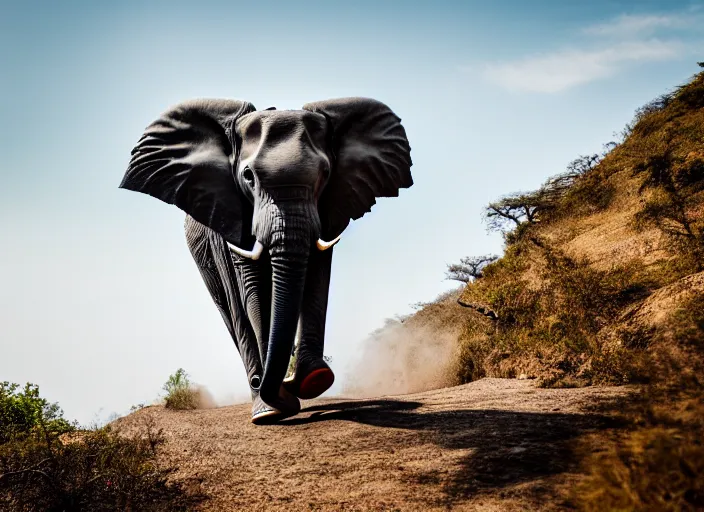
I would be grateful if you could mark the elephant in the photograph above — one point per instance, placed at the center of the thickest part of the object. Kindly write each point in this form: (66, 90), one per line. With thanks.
(285, 183)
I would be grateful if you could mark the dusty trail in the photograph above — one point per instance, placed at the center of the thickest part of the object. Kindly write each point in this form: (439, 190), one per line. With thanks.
(494, 444)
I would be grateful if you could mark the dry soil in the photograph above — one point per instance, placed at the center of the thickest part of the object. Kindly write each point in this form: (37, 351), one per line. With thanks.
(494, 444)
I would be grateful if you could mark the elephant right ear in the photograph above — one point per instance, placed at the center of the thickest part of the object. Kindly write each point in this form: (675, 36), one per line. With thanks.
(186, 157)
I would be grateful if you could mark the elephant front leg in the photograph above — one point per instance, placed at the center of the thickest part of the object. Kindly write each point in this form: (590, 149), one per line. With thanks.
(212, 258)
(312, 376)
(224, 283)
(254, 279)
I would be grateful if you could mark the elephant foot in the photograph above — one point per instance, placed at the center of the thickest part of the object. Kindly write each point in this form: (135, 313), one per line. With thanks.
(310, 380)
(284, 407)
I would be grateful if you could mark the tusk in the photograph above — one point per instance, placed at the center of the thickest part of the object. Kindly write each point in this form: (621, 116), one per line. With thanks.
(253, 254)
(324, 246)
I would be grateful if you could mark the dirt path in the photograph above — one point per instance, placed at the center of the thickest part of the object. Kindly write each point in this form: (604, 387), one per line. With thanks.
(495, 444)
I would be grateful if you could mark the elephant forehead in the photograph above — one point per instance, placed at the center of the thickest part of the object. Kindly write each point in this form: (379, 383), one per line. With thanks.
(287, 144)
(273, 129)
(312, 121)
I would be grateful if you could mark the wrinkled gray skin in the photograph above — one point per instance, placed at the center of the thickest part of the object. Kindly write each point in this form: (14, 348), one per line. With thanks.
(285, 179)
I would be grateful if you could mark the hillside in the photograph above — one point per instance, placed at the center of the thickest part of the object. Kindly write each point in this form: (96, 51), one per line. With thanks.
(596, 263)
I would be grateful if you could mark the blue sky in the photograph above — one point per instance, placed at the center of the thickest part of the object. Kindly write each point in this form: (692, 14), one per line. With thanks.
(99, 298)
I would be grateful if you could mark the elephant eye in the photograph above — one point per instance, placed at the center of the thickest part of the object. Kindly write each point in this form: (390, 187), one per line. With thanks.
(248, 176)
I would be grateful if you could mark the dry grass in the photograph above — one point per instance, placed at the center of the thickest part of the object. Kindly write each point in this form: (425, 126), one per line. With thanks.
(650, 469)
(550, 312)
(658, 462)
(97, 469)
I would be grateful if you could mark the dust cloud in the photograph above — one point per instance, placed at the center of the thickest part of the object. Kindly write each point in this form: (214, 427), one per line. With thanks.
(205, 398)
(402, 357)
(407, 355)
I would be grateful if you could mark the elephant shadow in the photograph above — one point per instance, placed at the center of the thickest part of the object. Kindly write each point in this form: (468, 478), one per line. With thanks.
(501, 447)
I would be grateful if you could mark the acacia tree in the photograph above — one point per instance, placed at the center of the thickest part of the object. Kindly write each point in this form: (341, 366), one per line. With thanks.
(513, 210)
(585, 163)
(469, 268)
(556, 186)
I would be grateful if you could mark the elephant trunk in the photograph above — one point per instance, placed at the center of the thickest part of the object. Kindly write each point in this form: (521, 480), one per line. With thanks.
(288, 280)
(288, 226)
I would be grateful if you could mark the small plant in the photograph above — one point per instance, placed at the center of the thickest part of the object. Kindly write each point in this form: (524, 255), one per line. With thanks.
(180, 392)
(292, 361)
(292, 364)
(137, 407)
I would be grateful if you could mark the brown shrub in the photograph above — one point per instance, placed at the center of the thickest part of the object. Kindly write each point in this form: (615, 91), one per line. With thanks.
(181, 393)
(550, 312)
(182, 399)
(89, 470)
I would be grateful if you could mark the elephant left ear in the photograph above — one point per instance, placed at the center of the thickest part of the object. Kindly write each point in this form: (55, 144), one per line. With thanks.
(372, 158)
(185, 158)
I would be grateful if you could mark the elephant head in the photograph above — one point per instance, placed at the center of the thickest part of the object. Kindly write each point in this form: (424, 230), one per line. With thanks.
(276, 185)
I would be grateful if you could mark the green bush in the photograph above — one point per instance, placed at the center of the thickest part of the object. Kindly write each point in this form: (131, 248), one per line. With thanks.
(22, 411)
(180, 392)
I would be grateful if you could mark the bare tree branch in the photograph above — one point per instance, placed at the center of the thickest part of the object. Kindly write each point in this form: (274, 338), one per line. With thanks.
(479, 308)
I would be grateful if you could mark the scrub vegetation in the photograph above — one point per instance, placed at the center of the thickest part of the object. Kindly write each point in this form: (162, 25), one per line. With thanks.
(48, 463)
